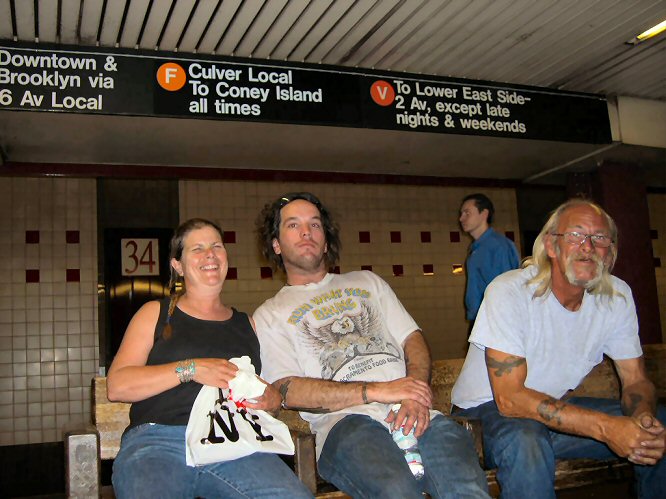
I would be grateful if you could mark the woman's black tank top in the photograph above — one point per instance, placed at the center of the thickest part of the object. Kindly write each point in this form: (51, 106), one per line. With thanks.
(191, 338)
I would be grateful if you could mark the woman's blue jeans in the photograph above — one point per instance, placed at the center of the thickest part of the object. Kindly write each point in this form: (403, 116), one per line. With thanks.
(361, 459)
(151, 464)
(524, 451)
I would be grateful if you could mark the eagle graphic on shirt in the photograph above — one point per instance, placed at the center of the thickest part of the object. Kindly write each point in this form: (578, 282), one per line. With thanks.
(347, 337)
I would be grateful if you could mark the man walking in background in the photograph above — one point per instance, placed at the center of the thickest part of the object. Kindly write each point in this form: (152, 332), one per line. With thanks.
(490, 254)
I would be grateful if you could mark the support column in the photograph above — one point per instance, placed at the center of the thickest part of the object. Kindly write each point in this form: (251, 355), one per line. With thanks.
(621, 190)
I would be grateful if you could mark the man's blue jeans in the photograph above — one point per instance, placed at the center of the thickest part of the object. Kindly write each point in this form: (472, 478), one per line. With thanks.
(151, 464)
(361, 459)
(524, 451)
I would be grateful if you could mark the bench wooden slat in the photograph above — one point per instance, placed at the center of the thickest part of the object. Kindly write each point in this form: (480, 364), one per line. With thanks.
(110, 418)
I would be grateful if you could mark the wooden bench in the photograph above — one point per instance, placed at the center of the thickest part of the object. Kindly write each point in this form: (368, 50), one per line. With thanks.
(85, 448)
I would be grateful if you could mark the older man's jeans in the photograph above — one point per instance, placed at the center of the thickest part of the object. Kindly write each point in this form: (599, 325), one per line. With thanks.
(524, 451)
(151, 464)
(360, 458)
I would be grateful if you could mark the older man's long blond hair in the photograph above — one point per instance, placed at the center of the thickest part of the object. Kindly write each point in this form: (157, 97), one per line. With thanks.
(541, 260)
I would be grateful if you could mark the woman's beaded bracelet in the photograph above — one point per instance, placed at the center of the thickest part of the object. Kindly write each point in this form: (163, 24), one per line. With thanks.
(185, 370)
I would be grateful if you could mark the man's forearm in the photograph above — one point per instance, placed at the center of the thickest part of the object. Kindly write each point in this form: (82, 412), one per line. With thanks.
(320, 396)
(417, 357)
(556, 414)
(639, 398)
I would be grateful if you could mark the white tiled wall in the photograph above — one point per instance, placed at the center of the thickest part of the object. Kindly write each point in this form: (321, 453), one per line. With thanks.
(48, 329)
(657, 207)
(436, 301)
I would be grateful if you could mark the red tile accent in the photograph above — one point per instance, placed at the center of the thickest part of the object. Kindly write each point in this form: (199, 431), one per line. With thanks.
(366, 267)
(396, 237)
(657, 262)
(364, 237)
(428, 269)
(31, 237)
(398, 271)
(232, 274)
(654, 234)
(73, 275)
(19, 169)
(229, 237)
(72, 236)
(510, 235)
(454, 236)
(426, 237)
(334, 270)
(32, 275)
(266, 273)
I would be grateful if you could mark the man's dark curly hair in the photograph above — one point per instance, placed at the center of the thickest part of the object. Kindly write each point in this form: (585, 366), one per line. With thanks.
(268, 227)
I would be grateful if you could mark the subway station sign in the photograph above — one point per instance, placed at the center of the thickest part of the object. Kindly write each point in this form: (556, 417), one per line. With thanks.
(119, 82)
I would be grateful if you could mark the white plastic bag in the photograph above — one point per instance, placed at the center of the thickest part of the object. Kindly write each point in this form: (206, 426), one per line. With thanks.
(220, 429)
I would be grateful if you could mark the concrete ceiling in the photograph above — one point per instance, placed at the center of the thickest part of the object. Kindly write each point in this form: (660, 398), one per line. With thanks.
(577, 45)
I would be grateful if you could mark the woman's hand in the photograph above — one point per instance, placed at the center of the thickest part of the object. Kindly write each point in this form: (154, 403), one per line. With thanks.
(214, 372)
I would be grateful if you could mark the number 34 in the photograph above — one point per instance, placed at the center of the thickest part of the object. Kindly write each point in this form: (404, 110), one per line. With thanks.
(139, 257)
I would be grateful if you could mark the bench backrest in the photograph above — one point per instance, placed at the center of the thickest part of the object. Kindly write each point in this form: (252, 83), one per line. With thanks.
(111, 418)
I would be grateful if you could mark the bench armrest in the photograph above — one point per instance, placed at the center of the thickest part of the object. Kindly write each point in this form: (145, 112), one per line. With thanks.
(305, 465)
(82, 462)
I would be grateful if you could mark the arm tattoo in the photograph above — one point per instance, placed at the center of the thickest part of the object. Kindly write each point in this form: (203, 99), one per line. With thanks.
(313, 410)
(504, 366)
(284, 388)
(629, 408)
(550, 409)
(364, 393)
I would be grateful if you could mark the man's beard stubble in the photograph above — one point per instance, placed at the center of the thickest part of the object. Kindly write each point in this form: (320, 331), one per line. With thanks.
(571, 273)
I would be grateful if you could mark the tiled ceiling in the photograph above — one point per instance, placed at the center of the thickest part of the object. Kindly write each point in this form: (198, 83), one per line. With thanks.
(578, 45)
(565, 44)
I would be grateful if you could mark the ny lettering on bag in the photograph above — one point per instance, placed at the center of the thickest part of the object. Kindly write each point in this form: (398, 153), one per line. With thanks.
(230, 431)
(220, 429)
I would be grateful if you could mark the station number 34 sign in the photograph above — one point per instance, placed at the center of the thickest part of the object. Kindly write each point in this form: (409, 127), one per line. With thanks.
(140, 257)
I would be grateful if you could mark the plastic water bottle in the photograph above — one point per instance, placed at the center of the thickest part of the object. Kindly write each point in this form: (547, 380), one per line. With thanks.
(409, 445)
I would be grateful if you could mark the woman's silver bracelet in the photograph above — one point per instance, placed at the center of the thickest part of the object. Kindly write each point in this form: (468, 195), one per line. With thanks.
(185, 370)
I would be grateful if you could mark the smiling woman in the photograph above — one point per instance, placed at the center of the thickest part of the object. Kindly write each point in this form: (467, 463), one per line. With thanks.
(170, 349)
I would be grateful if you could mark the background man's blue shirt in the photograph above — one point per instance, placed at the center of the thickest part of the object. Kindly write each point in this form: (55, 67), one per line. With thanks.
(490, 255)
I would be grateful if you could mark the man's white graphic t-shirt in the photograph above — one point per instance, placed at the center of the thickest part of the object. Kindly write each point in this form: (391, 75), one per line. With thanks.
(348, 327)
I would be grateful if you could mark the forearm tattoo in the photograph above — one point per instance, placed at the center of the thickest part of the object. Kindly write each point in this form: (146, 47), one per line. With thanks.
(313, 410)
(505, 366)
(629, 406)
(284, 388)
(550, 409)
(364, 393)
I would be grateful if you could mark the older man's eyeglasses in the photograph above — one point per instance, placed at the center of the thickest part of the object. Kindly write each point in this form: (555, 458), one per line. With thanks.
(578, 239)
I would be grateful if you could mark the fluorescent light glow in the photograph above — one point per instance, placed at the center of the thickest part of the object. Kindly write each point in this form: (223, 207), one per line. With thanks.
(653, 31)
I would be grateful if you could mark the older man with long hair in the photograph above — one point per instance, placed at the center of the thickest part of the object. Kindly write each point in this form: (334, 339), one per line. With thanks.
(539, 332)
